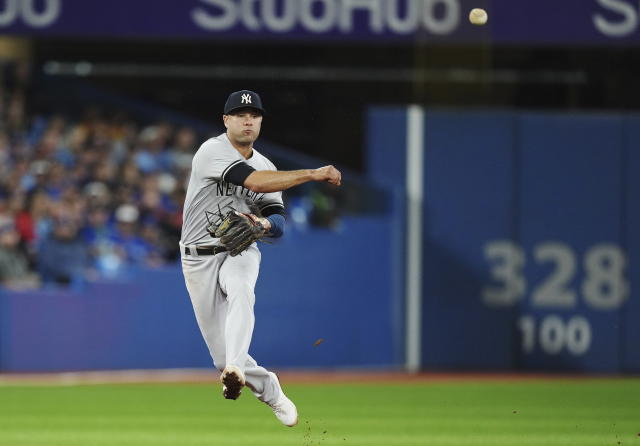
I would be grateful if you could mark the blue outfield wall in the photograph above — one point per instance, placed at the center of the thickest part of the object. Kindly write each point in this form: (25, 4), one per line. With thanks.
(630, 318)
(313, 284)
(531, 237)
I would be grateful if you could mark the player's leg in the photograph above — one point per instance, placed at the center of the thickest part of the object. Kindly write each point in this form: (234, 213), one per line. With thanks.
(211, 307)
(265, 385)
(237, 280)
(208, 300)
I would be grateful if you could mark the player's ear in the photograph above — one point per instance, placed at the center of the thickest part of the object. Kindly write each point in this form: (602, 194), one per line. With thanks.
(224, 119)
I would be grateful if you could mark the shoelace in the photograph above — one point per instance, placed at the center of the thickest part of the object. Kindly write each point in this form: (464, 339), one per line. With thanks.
(277, 408)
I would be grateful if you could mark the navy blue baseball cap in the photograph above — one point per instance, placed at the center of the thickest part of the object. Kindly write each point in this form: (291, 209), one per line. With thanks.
(243, 99)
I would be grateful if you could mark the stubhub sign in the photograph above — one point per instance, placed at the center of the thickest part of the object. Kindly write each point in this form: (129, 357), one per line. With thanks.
(566, 22)
(28, 12)
(321, 16)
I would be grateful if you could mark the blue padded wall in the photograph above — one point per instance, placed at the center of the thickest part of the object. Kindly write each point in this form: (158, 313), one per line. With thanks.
(337, 288)
(469, 174)
(530, 237)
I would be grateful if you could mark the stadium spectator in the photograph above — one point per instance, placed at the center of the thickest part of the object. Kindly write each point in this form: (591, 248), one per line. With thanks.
(14, 266)
(40, 216)
(152, 155)
(106, 258)
(181, 154)
(137, 251)
(63, 256)
(23, 219)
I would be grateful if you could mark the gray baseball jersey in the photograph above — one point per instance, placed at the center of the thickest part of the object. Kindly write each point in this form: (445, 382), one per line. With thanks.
(208, 189)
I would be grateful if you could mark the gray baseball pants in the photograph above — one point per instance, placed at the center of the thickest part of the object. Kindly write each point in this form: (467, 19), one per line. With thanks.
(221, 288)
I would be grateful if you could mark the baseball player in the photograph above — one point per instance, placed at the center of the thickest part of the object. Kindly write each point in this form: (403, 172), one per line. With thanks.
(234, 198)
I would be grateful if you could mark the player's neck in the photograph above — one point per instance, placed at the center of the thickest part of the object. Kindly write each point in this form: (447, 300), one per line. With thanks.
(245, 150)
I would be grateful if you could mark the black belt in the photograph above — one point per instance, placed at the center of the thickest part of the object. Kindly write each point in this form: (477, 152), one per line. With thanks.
(206, 251)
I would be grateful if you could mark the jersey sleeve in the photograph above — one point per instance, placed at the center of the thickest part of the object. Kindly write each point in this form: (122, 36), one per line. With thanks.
(237, 173)
(271, 205)
(217, 159)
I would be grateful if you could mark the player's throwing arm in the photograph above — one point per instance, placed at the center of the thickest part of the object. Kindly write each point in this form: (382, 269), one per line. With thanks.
(274, 181)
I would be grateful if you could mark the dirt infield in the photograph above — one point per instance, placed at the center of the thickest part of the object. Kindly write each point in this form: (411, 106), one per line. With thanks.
(197, 376)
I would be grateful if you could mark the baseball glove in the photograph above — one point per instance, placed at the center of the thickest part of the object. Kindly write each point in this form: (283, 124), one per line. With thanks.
(238, 231)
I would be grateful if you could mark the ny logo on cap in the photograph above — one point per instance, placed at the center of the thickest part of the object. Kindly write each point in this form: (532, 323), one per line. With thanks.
(246, 99)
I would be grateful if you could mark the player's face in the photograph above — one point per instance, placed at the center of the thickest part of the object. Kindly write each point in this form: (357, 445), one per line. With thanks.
(243, 126)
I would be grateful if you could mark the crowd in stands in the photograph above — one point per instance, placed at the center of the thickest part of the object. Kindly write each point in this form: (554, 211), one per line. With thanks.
(92, 195)
(87, 197)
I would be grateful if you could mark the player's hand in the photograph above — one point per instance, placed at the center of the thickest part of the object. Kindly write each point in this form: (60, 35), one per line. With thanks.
(329, 174)
(264, 222)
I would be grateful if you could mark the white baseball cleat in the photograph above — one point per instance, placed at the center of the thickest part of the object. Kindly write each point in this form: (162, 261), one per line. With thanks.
(233, 381)
(285, 410)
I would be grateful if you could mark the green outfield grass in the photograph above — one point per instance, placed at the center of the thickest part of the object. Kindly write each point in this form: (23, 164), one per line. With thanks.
(541, 413)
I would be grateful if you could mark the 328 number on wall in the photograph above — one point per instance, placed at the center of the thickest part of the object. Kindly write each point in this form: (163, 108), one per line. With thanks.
(604, 286)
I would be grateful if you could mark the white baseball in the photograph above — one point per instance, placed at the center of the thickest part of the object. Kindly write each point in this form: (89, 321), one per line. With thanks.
(478, 16)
